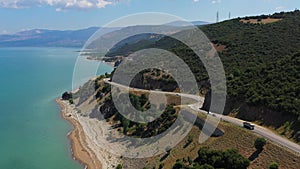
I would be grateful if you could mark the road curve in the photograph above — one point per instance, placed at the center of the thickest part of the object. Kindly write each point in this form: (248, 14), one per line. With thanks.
(262, 131)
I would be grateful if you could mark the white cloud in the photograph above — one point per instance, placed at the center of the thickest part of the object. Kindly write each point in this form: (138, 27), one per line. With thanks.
(280, 8)
(4, 32)
(216, 1)
(212, 1)
(103, 3)
(59, 4)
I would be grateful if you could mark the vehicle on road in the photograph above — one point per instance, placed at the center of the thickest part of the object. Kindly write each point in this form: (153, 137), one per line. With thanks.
(248, 126)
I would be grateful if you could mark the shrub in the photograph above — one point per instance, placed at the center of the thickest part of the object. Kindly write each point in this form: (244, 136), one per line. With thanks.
(274, 165)
(119, 166)
(260, 143)
(205, 166)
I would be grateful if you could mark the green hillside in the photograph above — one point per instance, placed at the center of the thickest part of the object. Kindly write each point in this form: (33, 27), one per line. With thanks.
(262, 69)
(261, 61)
(262, 65)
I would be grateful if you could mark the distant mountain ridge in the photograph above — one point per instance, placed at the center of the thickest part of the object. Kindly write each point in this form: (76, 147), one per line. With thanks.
(47, 38)
(59, 38)
(185, 23)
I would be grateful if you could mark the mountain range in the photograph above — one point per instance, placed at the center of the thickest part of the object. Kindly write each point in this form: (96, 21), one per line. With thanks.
(47, 38)
(59, 38)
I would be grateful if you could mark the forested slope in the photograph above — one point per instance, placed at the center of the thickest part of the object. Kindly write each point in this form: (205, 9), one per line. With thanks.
(262, 65)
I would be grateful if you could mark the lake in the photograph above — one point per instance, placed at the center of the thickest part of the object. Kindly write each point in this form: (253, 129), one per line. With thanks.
(33, 134)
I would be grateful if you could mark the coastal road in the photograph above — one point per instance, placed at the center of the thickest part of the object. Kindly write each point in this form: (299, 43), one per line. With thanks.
(190, 96)
(262, 131)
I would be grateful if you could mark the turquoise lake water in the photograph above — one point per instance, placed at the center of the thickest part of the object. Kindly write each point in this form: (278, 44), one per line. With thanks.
(32, 132)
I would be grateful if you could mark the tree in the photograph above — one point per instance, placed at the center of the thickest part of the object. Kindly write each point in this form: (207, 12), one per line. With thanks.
(260, 143)
(168, 149)
(228, 159)
(179, 165)
(119, 166)
(71, 101)
(144, 99)
(135, 100)
(66, 96)
(274, 165)
(125, 123)
(205, 166)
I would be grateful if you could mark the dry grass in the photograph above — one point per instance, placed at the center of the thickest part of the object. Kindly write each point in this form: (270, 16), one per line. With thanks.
(219, 47)
(171, 99)
(263, 21)
(216, 48)
(234, 137)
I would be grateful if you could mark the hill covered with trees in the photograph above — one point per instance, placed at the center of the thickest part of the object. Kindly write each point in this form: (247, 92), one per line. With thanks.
(262, 65)
(210, 159)
(262, 68)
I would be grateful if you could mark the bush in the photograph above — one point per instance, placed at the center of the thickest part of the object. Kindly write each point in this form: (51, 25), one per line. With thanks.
(179, 165)
(119, 166)
(66, 96)
(228, 159)
(274, 165)
(260, 143)
(205, 166)
(71, 101)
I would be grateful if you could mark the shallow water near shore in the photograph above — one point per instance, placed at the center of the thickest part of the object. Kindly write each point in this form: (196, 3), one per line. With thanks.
(33, 134)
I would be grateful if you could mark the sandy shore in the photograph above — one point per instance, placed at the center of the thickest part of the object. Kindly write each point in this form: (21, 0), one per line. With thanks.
(80, 149)
(112, 64)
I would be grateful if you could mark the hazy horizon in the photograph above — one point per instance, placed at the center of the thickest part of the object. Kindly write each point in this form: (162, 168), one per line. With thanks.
(64, 15)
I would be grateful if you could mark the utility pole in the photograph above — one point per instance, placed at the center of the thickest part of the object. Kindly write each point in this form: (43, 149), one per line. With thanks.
(229, 15)
(217, 16)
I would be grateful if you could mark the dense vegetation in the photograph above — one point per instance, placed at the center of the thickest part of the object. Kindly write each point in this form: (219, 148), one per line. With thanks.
(261, 61)
(210, 159)
(141, 103)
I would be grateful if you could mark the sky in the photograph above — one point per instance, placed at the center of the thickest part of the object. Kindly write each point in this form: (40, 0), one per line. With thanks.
(18, 15)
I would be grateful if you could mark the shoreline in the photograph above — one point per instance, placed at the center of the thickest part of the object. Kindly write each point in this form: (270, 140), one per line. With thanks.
(79, 146)
(100, 60)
